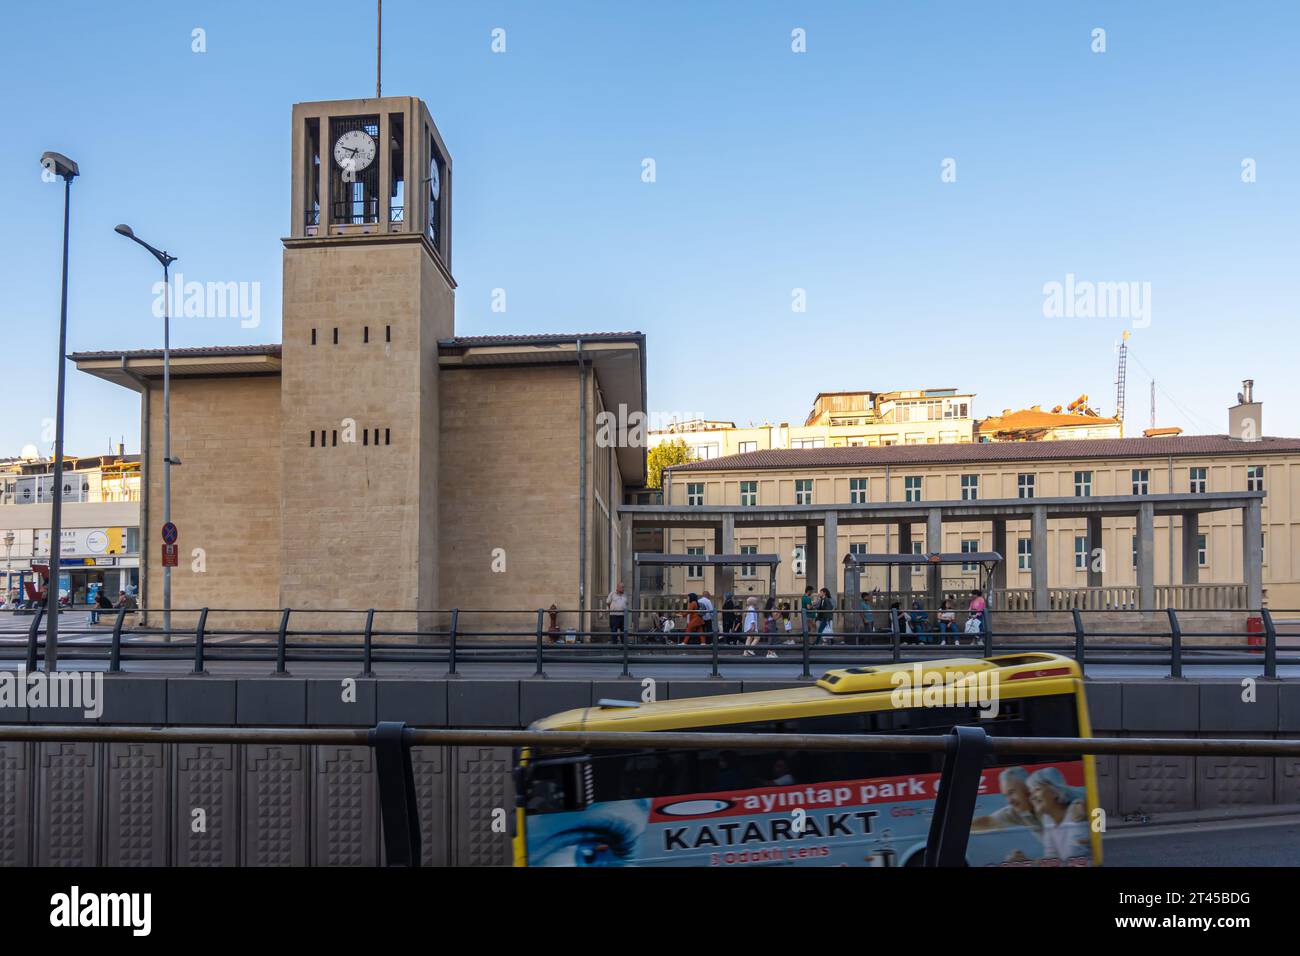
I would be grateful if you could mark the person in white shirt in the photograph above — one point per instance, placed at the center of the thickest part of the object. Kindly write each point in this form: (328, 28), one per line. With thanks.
(706, 614)
(750, 625)
(616, 603)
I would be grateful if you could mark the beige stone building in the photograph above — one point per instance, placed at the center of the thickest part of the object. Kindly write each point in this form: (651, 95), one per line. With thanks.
(1172, 516)
(375, 459)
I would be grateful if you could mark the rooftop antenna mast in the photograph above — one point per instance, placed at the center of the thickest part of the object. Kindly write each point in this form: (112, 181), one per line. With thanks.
(1120, 375)
(379, 49)
(1153, 403)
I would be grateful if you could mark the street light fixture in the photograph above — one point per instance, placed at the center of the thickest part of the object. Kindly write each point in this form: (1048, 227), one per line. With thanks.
(60, 165)
(168, 461)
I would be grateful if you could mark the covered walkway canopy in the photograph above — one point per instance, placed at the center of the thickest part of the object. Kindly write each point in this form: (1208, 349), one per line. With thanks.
(725, 519)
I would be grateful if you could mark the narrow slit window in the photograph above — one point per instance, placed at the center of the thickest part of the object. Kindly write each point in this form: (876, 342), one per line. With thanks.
(335, 442)
(365, 436)
(322, 438)
(388, 333)
(313, 336)
(386, 438)
(313, 438)
(365, 334)
(376, 436)
(336, 335)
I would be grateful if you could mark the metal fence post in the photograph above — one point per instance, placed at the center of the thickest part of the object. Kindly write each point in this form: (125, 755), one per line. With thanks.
(713, 637)
(626, 640)
(541, 672)
(199, 630)
(451, 643)
(1175, 644)
(1270, 644)
(1078, 638)
(115, 649)
(368, 649)
(807, 671)
(398, 809)
(955, 804)
(32, 634)
(894, 636)
(281, 644)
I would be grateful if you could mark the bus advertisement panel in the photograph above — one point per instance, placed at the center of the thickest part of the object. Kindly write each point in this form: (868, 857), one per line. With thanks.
(1030, 815)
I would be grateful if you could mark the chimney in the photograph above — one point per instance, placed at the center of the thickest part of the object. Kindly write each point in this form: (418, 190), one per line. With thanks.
(1245, 419)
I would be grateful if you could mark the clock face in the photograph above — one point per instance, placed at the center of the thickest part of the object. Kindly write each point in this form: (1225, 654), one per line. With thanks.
(435, 186)
(354, 150)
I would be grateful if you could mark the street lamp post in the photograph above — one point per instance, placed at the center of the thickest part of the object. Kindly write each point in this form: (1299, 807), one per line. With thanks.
(166, 261)
(60, 165)
(9, 561)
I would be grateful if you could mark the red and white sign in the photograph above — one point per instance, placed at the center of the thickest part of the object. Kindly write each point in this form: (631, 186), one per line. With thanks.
(170, 554)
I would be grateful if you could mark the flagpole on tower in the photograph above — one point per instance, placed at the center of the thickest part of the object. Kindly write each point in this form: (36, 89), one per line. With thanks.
(379, 50)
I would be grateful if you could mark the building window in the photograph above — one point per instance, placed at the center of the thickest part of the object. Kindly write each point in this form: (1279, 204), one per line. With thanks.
(313, 336)
(1023, 554)
(1202, 551)
(313, 438)
(749, 493)
(1080, 552)
(918, 548)
(858, 547)
(803, 491)
(388, 333)
(695, 570)
(695, 496)
(749, 570)
(1135, 551)
(748, 446)
(857, 491)
(1197, 483)
(387, 437)
(365, 333)
(799, 564)
(336, 335)
(335, 442)
(704, 452)
(1083, 484)
(365, 437)
(1025, 486)
(970, 487)
(1263, 547)
(808, 443)
(1254, 477)
(912, 488)
(1141, 481)
(970, 546)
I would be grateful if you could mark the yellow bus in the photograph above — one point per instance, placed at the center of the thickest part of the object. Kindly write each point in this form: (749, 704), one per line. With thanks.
(690, 807)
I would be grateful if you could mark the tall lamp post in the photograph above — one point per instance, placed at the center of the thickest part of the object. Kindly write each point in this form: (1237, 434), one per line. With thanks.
(60, 165)
(168, 461)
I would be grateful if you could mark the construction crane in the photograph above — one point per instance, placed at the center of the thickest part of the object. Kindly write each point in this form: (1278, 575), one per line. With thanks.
(1121, 374)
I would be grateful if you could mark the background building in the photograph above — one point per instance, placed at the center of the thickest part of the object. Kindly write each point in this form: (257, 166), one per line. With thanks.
(1197, 554)
(101, 518)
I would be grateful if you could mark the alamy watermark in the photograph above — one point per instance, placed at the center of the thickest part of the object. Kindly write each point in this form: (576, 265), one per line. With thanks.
(1084, 299)
(917, 687)
(210, 300)
(68, 690)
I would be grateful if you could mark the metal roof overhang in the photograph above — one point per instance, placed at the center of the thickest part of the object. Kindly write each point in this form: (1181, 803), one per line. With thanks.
(934, 557)
(124, 369)
(619, 365)
(1010, 509)
(704, 560)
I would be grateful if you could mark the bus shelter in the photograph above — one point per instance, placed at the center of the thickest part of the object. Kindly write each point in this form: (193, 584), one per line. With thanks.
(724, 561)
(900, 568)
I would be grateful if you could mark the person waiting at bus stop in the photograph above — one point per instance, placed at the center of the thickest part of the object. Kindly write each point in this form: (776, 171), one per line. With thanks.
(616, 603)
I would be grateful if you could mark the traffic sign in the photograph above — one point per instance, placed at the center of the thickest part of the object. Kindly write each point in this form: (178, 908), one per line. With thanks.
(169, 533)
(170, 554)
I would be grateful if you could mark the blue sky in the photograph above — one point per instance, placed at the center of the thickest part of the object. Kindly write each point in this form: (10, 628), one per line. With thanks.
(775, 171)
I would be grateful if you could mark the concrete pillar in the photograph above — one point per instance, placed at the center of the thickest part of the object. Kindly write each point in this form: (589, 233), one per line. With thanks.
(934, 543)
(1252, 558)
(810, 556)
(1095, 574)
(625, 569)
(830, 545)
(1038, 556)
(1146, 557)
(1191, 564)
(905, 572)
(1000, 546)
(724, 579)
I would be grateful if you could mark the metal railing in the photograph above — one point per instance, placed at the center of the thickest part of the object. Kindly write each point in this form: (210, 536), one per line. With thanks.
(964, 748)
(454, 637)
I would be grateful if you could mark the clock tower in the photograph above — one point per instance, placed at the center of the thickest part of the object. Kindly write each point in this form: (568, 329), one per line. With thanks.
(368, 292)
